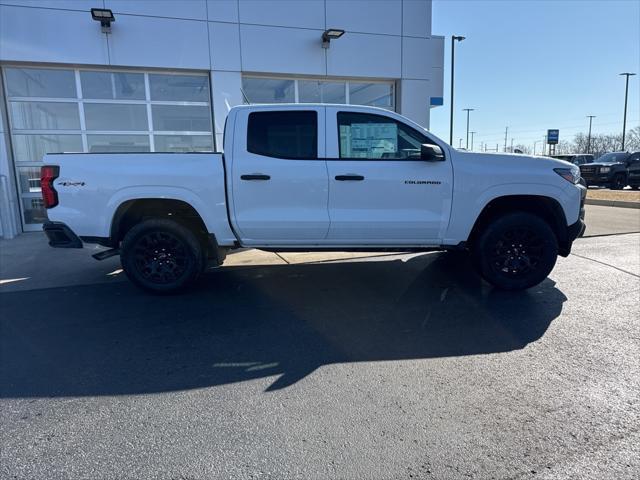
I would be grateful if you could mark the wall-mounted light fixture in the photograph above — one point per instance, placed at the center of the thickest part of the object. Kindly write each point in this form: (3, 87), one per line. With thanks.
(105, 17)
(330, 34)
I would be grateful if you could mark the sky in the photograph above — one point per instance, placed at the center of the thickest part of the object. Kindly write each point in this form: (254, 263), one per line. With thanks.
(535, 65)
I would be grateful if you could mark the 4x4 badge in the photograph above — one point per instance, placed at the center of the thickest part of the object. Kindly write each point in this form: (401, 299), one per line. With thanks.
(72, 184)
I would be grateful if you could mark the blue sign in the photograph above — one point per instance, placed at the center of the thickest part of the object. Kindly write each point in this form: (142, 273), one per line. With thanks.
(437, 101)
(553, 136)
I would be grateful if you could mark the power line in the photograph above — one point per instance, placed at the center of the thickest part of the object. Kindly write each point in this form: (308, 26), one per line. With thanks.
(500, 134)
(603, 115)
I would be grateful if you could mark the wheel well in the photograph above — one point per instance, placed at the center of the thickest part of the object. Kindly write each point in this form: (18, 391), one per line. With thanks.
(544, 207)
(133, 212)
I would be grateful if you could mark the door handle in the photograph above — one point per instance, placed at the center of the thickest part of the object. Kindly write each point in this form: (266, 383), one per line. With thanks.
(351, 177)
(255, 176)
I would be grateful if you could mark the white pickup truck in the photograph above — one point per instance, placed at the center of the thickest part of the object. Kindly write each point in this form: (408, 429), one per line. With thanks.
(315, 177)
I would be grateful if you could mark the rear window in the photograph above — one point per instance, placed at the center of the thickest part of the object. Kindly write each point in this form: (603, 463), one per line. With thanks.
(290, 135)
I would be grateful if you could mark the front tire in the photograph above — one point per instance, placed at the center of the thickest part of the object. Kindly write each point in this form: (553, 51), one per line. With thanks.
(619, 182)
(516, 251)
(161, 256)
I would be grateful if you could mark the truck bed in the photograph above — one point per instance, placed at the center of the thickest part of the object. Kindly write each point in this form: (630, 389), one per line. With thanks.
(92, 186)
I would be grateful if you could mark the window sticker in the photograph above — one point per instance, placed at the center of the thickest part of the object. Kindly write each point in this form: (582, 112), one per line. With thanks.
(368, 140)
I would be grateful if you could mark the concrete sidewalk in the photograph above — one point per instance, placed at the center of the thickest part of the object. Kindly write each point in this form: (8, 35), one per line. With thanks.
(27, 262)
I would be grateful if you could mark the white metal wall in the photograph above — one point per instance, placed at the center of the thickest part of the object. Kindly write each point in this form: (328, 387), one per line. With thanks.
(384, 40)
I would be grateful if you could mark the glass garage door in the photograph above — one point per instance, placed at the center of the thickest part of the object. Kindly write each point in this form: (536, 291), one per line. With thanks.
(258, 89)
(86, 110)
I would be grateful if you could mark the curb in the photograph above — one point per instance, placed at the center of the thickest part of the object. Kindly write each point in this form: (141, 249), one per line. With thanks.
(612, 203)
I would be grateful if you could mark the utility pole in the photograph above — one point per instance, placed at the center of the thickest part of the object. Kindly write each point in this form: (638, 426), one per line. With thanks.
(454, 38)
(591, 117)
(506, 131)
(511, 144)
(626, 95)
(472, 133)
(468, 110)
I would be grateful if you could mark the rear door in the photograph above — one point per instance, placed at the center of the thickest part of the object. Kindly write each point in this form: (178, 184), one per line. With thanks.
(279, 187)
(380, 191)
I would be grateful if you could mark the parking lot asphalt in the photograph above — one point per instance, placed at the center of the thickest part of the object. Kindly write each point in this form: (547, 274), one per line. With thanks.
(611, 220)
(397, 366)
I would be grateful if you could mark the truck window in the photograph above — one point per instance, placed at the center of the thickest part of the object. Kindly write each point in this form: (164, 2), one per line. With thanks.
(376, 137)
(290, 134)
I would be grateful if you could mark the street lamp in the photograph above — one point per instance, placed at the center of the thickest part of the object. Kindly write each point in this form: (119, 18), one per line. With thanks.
(468, 110)
(626, 95)
(472, 134)
(454, 39)
(590, 117)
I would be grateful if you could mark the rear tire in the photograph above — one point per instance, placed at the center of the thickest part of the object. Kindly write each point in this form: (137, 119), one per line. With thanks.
(515, 251)
(161, 256)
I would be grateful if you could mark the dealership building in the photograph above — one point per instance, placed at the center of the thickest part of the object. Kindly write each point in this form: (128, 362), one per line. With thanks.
(162, 75)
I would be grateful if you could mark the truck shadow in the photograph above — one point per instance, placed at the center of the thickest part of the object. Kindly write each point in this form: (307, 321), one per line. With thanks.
(253, 322)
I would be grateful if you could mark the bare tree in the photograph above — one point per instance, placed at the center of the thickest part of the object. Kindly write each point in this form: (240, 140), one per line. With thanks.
(632, 140)
(602, 143)
(564, 146)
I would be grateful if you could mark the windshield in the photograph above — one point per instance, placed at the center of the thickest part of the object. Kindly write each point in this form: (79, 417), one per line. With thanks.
(613, 157)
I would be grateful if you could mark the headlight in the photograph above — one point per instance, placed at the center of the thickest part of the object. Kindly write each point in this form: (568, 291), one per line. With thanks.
(605, 169)
(570, 174)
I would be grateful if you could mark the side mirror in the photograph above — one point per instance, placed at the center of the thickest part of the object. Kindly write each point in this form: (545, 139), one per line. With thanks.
(431, 153)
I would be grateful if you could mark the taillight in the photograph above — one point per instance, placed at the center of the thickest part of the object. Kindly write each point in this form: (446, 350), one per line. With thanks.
(48, 174)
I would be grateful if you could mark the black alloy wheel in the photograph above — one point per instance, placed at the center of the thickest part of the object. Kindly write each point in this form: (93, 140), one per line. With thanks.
(618, 182)
(515, 251)
(161, 255)
(518, 252)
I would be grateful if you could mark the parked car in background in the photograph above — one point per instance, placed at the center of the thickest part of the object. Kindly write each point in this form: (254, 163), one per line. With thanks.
(609, 170)
(634, 170)
(575, 158)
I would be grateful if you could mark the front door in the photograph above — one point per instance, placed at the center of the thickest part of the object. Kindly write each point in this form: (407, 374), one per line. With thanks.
(380, 191)
(279, 186)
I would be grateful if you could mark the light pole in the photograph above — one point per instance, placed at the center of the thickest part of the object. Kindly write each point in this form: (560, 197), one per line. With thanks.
(460, 144)
(590, 117)
(454, 39)
(626, 95)
(506, 132)
(472, 134)
(468, 110)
